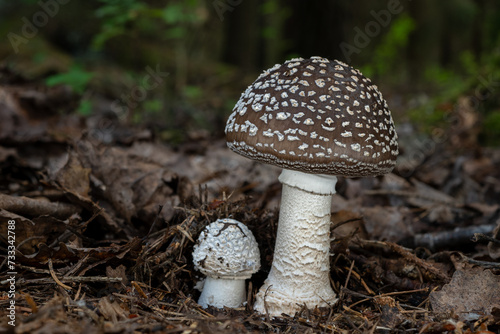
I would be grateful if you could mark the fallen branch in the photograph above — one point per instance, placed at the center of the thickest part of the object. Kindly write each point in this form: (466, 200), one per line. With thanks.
(407, 255)
(457, 237)
(35, 207)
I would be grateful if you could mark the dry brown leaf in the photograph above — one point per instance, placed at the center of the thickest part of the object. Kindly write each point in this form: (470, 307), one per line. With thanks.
(426, 196)
(30, 233)
(388, 223)
(134, 186)
(119, 271)
(470, 294)
(71, 175)
(494, 248)
(391, 315)
(355, 224)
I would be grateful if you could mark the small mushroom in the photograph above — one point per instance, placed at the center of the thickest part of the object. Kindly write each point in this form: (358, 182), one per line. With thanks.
(317, 119)
(227, 253)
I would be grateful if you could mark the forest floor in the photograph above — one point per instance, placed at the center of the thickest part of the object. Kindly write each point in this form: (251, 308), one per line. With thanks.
(105, 217)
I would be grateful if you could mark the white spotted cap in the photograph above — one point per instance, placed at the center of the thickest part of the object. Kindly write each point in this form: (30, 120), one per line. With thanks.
(316, 116)
(227, 249)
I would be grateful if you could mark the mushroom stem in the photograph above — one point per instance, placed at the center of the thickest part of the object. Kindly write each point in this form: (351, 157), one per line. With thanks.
(301, 263)
(220, 292)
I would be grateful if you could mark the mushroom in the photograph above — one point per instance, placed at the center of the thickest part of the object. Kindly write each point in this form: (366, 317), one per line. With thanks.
(227, 253)
(317, 119)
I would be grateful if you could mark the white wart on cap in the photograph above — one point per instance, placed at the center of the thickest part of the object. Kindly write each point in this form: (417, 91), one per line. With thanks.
(315, 116)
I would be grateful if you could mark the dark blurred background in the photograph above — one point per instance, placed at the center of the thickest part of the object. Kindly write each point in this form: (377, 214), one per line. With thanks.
(178, 67)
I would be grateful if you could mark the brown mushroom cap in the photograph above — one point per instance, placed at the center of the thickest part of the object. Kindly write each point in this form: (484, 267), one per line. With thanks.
(315, 116)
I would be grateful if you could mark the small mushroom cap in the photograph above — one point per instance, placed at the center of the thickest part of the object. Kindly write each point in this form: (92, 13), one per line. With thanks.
(227, 249)
(316, 116)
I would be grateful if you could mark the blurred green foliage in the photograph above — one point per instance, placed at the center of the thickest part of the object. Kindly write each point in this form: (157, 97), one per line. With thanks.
(120, 17)
(386, 58)
(115, 15)
(85, 107)
(76, 77)
(477, 79)
(491, 128)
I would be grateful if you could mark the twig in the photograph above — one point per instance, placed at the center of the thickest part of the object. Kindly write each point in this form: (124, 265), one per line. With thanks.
(73, 230)
(356, 294)
(28, 240)
(78, 292)
(139, 290)
(456, 237)
(409, 256)
(33, 269)
(345, 222)
(77, 266)
(186, 233)
(53, 274)
(265, 304)
(160, 207)
(349, 274)
(483, 237)
(69, 279)
(402, 292)
(360, 279)
(30, 301)
(485, 264)
(34, 207)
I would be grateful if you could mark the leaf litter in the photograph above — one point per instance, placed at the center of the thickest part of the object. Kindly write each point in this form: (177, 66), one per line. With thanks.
(106, 223)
